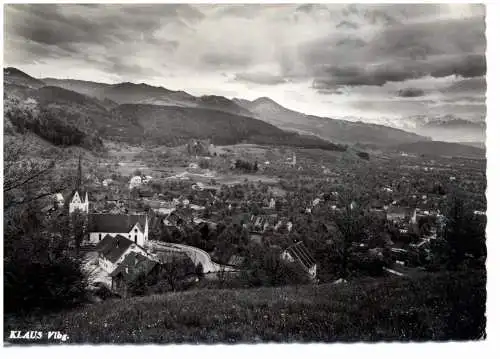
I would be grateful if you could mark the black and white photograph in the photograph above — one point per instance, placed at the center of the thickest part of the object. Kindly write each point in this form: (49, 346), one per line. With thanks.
(244, 173)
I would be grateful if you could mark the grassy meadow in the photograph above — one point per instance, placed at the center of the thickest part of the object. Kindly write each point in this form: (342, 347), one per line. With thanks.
(444, 306)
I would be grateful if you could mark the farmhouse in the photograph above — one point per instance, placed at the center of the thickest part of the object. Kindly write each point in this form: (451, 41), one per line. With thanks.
(112, 250)
(128, 271)
(132, 227)
(400, 214)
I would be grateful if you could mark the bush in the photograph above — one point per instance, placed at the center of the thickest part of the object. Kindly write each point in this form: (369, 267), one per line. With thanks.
(40, 274)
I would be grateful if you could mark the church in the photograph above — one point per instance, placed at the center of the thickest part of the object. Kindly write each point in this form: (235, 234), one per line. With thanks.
(132, 227)
(78, 204)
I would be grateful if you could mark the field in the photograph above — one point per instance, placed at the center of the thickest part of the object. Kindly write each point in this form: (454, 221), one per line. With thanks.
(443, 306)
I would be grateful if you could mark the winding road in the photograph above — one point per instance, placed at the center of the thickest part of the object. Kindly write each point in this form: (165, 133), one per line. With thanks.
(197, 255)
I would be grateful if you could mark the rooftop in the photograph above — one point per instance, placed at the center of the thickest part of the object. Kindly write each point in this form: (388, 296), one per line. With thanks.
(115, 223)
(132, 266)
(113, 248)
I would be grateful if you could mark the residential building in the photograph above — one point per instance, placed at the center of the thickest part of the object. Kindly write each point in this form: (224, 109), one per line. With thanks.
(112, 250)
(401, 214)
(128, 271)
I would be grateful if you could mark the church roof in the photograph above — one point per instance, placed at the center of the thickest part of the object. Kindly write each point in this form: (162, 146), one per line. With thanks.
(115, 223)
(113, 248)
(81, 194)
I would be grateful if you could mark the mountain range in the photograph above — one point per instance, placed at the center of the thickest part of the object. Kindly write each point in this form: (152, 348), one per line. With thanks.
(139, 112)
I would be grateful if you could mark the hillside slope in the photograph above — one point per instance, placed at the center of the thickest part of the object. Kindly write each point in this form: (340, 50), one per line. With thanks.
(438, 148)
(174, 125)
(338, 131)
(395, 309)
(131, 93)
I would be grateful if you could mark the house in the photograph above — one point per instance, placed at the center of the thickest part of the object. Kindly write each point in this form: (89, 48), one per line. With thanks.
(262, 222)
(59, 200)
(135, 181)
(236, 261)
(195, 207)
(133, 265)
(299, 253)
(112, 250)
(161, 207)
(401, 214)
(178, 220)
(133, 227)
(76, 203)
(272, 203)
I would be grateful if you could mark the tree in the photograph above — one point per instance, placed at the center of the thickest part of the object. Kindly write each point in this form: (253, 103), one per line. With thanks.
(27, 178)
(39, 273)
(173, 271)
(348, 222)
(464, 233)
(79, 230)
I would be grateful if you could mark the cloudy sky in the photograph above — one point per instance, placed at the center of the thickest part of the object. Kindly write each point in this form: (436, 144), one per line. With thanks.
(375, 62)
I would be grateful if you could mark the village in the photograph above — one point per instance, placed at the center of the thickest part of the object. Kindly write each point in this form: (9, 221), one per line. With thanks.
(137, 226)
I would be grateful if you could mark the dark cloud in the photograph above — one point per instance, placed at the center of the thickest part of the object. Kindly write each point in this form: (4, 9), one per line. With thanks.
(397, 71)
(259, 78)
(60, 25)
(417, 41)
(399, 52)
(411, 92)
(47, 24)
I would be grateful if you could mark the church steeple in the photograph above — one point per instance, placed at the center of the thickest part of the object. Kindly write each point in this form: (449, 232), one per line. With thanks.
(78, 182)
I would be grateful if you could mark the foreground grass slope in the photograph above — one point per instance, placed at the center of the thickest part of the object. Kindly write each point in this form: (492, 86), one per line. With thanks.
(448, 306)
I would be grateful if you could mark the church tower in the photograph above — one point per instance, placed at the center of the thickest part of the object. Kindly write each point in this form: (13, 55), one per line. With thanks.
(78, 202)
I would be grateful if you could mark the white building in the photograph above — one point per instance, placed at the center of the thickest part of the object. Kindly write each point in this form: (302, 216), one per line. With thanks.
(112, 250)
(135, 181)
(77, 203)
(132, 227)
(272, 203)
(59, 199)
